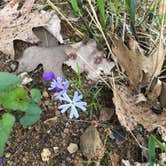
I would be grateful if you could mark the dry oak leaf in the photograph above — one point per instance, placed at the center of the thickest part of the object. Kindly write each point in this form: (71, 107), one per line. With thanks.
(88, 58)
(131, 60)
(131, 114)
(51, 58)
(19, 27)
(136, 64)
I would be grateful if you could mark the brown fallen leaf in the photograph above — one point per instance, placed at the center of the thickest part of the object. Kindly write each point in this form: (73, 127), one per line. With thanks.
(115, 159)
(155, 89)
(91, 144)
(136, 64)
(106, 114)
(162, 97)
(131, 114)
(9, 12)
(89, 59)
(20, 27)
(129, 60)
(51, 58)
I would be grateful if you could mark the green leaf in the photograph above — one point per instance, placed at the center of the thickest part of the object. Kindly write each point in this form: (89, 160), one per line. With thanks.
(132, 11)
(160, 144)
(16, 99)
(75, 7)
(7, 80)
(6, 123)
(36, 95)
(101, 7)
(151, 152)
(32, 115)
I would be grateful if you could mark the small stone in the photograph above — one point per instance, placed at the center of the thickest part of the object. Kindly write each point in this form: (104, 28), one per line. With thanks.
(66, 131)
(45, 94)
(46, 154)
(47, 102)
(56, 149)
(7, 155)
(72, 148)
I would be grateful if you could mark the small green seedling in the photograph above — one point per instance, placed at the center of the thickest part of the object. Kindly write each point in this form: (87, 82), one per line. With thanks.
(15, 98)
(153, 141)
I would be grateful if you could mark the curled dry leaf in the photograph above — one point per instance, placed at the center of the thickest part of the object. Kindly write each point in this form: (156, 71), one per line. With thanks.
(14, 27)
(155, 89)
(131, 114)
(91, 144)
(51, 58)
(139, 68)
(89, 59)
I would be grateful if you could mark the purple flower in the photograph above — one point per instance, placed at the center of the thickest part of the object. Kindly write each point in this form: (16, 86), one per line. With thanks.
(60, 86)
(72, 104)
(48, 76)
(1, 161)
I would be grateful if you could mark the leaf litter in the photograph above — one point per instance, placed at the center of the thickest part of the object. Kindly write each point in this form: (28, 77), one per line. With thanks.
(132, 108)
(14, 27)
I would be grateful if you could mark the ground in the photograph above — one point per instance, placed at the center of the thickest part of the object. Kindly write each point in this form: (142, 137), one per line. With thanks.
(25, 145)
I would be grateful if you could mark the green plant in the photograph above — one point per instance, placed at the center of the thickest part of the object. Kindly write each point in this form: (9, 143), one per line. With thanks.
(94, 104)
(75, 7)
(101, 7)
(117, 8)
(153, 141)
(131, 4)
(16, 98)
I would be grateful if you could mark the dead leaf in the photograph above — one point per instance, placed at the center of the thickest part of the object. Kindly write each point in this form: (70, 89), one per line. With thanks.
(51, 58)
(91, 144)
(162, 131)
(115, 159)
(52, 120)
(46, 39)
(25, 78)
(131, 114)
(89, 59)
(162, 97)
(106, 114)
(20, 27)
(9, 12)
(129, 60)
(127, 163)
(155, 89)
(136, 64)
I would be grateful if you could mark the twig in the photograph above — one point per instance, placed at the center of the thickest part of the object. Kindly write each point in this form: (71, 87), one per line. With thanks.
(80, 34)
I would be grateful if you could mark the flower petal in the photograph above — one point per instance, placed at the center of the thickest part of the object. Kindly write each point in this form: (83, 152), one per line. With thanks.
(48, 76)
(64, 107)
(81, 105)
(73, 113)
(67, 98)
(77, 97)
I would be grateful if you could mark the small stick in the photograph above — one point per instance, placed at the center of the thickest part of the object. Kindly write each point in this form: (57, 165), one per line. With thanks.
(80, 34)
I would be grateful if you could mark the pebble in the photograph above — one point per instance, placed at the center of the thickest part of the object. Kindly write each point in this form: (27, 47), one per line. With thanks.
(72, 148)
(45, 94)
(56, 149)
(66, 131)
(7, 155)
(46, 154)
